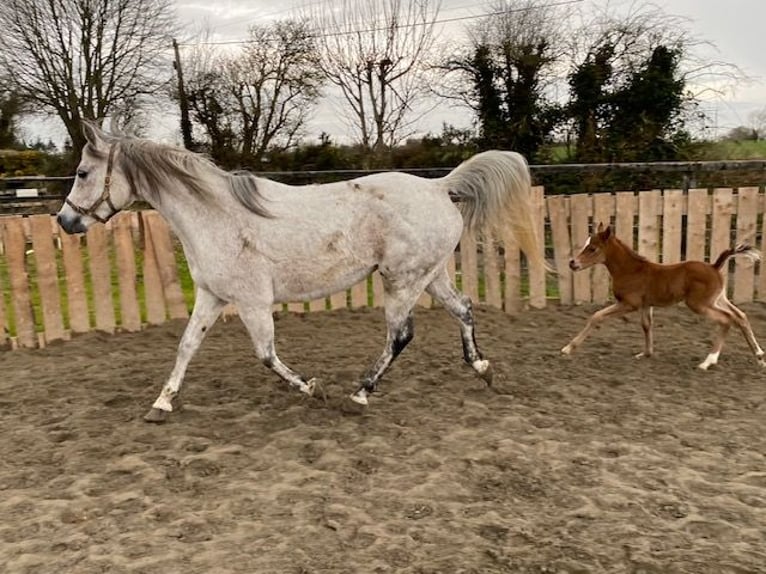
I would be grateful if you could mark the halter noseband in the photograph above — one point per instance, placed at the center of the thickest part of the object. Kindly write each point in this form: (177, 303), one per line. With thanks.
(105, 196)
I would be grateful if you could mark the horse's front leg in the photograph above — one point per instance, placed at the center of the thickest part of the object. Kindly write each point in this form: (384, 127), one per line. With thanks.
(646, 325)
(207, 308)
(615, 310)
(260, 325)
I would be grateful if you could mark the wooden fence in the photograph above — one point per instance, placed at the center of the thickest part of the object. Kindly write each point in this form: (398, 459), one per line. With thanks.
(131, 272)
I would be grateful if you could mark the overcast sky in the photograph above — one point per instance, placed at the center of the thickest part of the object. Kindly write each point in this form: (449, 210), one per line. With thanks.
(733, 27)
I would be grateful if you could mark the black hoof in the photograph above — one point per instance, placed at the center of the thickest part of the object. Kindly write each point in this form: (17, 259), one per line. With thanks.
(156, 415)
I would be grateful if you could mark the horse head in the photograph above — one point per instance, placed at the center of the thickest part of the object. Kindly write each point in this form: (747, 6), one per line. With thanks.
(594, 250)
(100, 188)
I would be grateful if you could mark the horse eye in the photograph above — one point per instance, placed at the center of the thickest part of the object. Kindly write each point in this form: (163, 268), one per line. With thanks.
(82, 174)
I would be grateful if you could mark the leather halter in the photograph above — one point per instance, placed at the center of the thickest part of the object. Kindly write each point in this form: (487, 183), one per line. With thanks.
(105, 195)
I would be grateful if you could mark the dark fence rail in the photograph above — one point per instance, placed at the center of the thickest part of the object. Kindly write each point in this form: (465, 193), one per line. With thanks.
(42, 194)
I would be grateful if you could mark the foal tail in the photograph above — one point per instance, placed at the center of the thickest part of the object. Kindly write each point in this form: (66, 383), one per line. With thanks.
(494, 193)
(741, 249)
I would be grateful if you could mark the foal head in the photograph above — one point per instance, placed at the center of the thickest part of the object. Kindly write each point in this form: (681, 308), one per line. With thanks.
(594, 250)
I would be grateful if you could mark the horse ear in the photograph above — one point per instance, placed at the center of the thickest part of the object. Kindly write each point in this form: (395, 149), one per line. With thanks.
(92, 132)
(606, 233)
(600, 228)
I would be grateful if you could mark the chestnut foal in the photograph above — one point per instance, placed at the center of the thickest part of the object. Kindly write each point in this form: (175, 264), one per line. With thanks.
(638, 285)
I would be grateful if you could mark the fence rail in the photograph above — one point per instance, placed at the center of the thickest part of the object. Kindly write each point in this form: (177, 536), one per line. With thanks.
(131, 272)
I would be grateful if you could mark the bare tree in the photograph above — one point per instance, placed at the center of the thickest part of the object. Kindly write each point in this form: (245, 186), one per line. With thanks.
(258, 99)
(377, 54)
(85, 58)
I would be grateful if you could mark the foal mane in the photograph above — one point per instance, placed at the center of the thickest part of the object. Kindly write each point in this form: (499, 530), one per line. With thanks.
(631, 253)
(151, 166)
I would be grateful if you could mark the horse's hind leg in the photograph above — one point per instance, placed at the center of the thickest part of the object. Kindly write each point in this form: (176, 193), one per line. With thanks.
(400, 330)
(461, 308)
(723, 319)
(259, 323)
(207, 308)
(740, 318)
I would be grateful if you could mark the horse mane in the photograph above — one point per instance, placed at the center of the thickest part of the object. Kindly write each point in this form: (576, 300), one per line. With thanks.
(629, 250)
(150, 166)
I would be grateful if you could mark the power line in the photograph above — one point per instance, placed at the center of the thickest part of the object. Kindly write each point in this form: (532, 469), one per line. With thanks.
(412, 25)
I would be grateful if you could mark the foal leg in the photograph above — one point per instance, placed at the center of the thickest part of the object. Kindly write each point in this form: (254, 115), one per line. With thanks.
(259, 323)
(740, 318)
(461, 308)
(400, 330)
(207, 308)
(615, 310)
(646, 325)
(723, 319)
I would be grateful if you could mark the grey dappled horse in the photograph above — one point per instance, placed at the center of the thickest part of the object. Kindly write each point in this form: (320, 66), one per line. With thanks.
(255, 242)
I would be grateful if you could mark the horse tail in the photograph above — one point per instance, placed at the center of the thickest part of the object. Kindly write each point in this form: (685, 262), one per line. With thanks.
(741, 249)
(494, 192)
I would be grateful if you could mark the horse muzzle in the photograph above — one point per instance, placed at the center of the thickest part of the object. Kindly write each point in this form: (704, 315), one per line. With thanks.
(574, 265)
(71, 223)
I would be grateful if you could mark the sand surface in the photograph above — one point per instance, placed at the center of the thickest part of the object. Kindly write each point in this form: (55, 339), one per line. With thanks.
(592, 463)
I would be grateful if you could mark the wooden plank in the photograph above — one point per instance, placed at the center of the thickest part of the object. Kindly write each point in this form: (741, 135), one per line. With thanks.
(744, 268)
(720, 235)
(295, 307)
(339, 300)
(512, 262)
(698, 204)
(41, 229)
(100, 274)
(558, 214)
(15, 253)
(624, 219)
(492, 291)
(77, 297)
(378, 291)
(469, 267)
(603, 210)
(579, 208)
(318, 304)
(125, 258)
(359, 294)
(761, 295)
(4, 288)
(153, 294)
(164, 254)
(649, 203)
(672, 225)
(537, 273)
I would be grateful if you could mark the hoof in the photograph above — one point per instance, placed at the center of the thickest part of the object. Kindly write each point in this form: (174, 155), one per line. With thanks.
(484, 369)
(156, 415)
(360, 397)
(309, 387)
(567, 350)
(641, 356)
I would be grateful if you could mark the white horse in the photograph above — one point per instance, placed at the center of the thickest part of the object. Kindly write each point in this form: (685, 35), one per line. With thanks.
(255, 242)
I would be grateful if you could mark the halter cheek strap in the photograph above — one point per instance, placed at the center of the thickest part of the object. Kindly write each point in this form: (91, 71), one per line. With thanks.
(104, 198)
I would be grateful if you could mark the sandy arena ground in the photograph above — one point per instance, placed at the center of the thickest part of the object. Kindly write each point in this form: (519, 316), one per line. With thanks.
(585, 464)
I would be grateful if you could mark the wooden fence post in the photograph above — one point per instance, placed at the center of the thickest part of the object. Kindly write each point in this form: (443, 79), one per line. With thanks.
(15, 252)
(744, 268)
(47, 276)
(558, 214)
(579, 213)
(130, 313)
